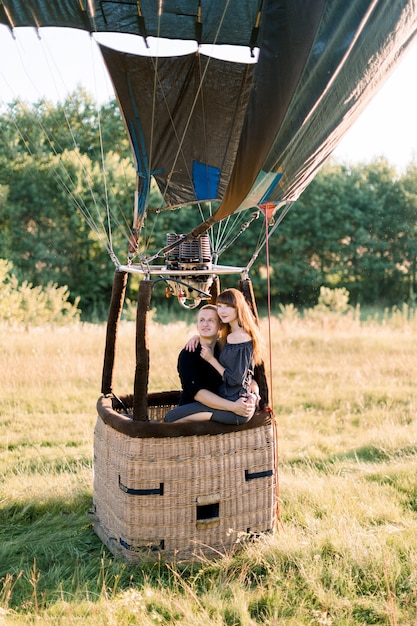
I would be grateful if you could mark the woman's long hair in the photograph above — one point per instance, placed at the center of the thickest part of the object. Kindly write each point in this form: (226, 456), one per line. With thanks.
(246, 320)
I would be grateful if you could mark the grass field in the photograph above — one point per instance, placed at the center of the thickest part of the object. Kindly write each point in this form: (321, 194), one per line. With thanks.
(345, 552)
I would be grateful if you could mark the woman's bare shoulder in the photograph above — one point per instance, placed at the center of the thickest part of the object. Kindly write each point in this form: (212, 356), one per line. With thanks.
(238, 336)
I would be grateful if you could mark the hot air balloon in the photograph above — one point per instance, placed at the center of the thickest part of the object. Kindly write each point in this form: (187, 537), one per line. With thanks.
(237, 125)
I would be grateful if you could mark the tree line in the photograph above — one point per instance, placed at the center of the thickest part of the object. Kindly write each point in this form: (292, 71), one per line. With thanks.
(353, 228)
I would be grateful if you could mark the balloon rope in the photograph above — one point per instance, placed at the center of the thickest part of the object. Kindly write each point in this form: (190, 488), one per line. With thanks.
(271, 387)
(102, 155)
(198, 93)
(268, 278)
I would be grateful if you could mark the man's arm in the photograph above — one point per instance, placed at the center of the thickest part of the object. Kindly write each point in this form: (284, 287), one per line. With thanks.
(240, 406)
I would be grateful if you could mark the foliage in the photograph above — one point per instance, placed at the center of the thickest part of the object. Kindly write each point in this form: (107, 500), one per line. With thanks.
(335, 300)
(53, 193)
(354, 228)
(25, 304)
(345, 552)
(62, 182)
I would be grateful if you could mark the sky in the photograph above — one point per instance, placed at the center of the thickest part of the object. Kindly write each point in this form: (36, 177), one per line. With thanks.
(388, 126)
(52, 66)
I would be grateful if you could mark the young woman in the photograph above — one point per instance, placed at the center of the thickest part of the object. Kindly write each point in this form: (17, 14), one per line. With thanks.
(240, 344)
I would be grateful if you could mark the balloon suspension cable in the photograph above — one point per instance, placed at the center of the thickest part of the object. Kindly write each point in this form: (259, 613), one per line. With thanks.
(198, 93)
(273, 223)
(136, 228)
(114, 258)
(268, 278)
(103, 165)
(244, 226)
(133, 243)
(61, 171)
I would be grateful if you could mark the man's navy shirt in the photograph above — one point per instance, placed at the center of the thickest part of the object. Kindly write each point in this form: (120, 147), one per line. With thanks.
(195, 374)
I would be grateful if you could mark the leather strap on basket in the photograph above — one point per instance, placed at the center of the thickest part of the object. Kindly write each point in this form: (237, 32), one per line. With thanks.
(140, 395)
(115, 311)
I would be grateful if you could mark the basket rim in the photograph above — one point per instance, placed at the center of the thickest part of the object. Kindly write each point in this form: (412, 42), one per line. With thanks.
(108, 408)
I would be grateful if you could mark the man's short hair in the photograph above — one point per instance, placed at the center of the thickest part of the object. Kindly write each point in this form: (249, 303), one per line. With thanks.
(208, 307)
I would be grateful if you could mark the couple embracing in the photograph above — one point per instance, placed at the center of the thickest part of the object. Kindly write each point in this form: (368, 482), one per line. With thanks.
(216, 366)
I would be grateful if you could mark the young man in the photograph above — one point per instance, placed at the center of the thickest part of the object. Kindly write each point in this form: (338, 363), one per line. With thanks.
(200, 381)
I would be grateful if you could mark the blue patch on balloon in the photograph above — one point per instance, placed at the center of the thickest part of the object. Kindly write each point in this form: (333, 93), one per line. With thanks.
(206, 181)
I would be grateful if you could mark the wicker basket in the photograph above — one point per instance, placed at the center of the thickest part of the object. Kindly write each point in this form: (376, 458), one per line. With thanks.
(183, 496)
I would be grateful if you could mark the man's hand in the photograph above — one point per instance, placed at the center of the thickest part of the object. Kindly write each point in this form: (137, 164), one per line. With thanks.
(244, 406)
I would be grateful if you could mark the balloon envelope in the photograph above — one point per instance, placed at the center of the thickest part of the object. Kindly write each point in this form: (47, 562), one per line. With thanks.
(240, 133)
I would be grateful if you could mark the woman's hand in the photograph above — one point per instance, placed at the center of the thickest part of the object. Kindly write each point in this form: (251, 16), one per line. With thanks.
(206, 353)
(192, 343)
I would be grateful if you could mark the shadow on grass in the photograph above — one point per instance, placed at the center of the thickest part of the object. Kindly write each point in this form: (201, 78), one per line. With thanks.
(49, 552)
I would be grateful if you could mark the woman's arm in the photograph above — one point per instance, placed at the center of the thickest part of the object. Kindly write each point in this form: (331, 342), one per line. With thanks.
(207, 354)
(237, 366)
(192, 343)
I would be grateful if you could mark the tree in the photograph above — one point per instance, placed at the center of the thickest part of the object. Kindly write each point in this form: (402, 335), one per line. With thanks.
(77, 122)
(351, 229)
(62, 182)
(53, 192)
(49, 237)
(409, 262)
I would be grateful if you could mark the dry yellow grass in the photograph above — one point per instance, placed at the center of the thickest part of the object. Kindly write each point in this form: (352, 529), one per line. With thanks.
(345, 402)
(334, 389)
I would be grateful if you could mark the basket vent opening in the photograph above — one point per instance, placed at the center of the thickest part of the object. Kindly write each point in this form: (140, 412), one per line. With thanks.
(208, 512)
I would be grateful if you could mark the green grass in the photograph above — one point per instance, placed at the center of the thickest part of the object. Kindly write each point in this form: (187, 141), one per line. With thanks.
(345, 552)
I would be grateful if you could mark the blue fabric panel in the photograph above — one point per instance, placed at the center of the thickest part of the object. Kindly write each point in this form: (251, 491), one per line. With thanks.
(271, 187)
(205, 180)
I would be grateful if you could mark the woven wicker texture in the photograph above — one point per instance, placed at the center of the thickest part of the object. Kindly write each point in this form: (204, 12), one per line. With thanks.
(181, 497)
